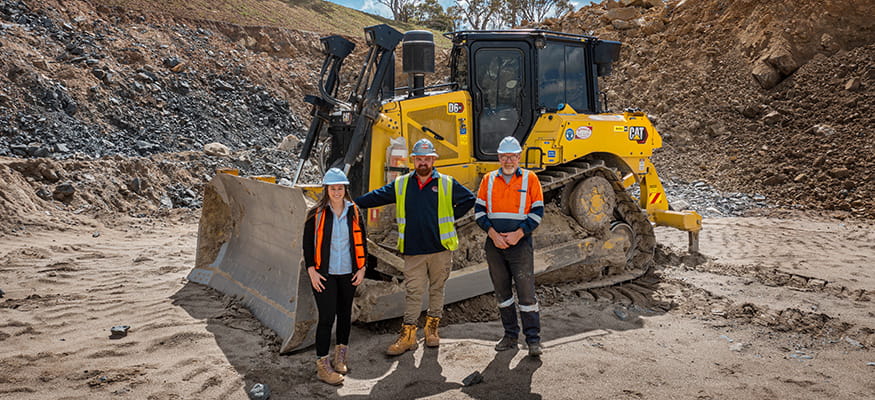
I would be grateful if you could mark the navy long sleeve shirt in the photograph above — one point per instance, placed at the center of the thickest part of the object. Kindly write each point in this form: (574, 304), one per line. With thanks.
(422, 233)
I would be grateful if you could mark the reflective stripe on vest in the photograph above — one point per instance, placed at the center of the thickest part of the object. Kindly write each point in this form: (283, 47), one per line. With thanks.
(524, 189)
(358, 238)
(446, 217)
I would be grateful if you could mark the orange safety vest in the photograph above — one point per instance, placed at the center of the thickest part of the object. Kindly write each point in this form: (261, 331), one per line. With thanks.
(358, 238)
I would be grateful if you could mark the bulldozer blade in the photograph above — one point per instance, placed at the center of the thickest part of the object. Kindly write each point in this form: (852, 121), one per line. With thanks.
(249, 246)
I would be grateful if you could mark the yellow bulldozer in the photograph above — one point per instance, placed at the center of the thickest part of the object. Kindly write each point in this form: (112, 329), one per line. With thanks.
(539, 86)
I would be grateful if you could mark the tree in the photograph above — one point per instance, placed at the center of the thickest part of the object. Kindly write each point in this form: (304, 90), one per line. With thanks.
(402, 10)
(477, 14)
(515, 12)
(431, 15)
(535, 11)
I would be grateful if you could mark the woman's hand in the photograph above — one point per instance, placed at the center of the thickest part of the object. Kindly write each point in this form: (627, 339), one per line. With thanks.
(358, 277)
(316, 279)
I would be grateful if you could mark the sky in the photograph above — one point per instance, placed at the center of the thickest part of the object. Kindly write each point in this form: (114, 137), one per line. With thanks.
(373, 7)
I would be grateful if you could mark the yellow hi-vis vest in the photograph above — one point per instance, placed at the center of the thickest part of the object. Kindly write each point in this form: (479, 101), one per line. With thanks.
(446, 218)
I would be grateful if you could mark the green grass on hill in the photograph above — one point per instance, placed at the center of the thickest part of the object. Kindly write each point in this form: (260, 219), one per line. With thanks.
(306, 15)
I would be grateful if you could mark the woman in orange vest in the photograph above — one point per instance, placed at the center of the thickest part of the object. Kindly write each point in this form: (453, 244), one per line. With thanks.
(335, 253)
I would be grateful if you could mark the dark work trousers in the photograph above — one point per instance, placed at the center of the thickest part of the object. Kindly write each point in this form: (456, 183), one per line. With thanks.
(334, 301)
(514, 267)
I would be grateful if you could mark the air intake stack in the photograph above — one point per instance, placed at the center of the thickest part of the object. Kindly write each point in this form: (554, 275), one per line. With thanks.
(418, 60)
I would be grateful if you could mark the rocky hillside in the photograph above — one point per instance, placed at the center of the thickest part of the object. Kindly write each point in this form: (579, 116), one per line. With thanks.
(751, 97)
(774, 97)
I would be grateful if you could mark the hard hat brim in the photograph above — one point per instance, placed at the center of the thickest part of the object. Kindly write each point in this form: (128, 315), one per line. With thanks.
(425, 154)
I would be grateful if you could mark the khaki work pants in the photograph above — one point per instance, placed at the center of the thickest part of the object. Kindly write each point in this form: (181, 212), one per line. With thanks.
(421, 272)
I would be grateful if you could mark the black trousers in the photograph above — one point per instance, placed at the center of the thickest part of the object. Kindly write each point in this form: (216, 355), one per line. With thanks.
(334, 302)
(514, 268)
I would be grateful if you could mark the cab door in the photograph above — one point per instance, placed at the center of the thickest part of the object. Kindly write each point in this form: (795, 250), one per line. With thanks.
(502, 94)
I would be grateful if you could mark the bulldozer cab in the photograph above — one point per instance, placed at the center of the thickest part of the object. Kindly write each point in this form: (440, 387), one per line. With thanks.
(514, 76)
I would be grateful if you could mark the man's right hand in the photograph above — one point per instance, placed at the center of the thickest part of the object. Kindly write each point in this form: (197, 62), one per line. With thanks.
(497, 239)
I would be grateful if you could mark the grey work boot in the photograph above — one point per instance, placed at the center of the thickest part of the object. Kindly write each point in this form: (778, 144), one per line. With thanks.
(506, 343)
(535, 349)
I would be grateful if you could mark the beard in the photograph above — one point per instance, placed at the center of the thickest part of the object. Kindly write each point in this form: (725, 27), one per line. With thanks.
(423, 170)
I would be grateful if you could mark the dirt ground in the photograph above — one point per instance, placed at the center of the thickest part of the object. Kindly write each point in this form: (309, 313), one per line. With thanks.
(777, 308)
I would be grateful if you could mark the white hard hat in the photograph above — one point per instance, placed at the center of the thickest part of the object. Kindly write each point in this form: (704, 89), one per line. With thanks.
(335, 176)
(424, 147)
(509, 145)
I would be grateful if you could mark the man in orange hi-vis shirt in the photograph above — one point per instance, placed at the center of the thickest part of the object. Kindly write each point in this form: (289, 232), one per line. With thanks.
(510, 205)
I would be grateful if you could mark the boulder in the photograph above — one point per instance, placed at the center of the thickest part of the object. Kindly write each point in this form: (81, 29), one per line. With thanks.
(289, 143)
(772, 118)
(852, 85)
(782, 58)
(765, 74)
(623, 14)
(775, 180)
(63, 192)
(216, 150)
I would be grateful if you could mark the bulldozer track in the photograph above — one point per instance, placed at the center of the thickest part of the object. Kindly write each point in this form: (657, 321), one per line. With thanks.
(644, 241)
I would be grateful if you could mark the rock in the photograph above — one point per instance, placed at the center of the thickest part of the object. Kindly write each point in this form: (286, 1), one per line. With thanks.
(750, 111)
(624, 25)
(61, 148)
(19, 149)
(284, 182)
(623, 14)
(823, 130)
(166, 202)
(135, 185)
(765, 75)
(143, 146)
(44, 194)
(852, 85)
(871, 364)
(653, 26)
(728, 339)
(171, 62)
(631, 3)
(775, 180)
(736, 347)
(800, 178)
(816, 284)
(472, 379)
(259, 391)
(829, 44)
(621, 314)
(782, 58)
(680, 205)
(839, 173)
(772, 118)
(95, 234)
(654, 3)
(216, 150)
(63, 192)
(853, 342)
(289, 143)
(2, 293)
(119, 330)
(222, 85)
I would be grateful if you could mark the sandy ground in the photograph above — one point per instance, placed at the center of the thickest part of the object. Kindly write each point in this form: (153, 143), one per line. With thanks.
(781, 308)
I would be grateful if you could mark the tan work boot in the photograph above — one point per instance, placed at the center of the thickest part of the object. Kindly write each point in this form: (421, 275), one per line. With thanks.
(406, 341)
(431, 331)
(340, 359)
(326, 373)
